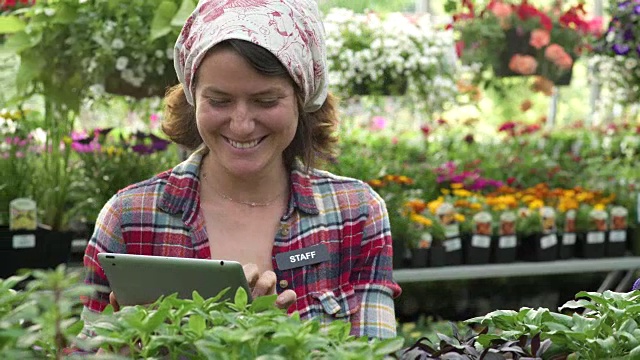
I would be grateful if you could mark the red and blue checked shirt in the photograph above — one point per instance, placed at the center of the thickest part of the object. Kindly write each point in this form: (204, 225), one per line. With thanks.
(161, 216)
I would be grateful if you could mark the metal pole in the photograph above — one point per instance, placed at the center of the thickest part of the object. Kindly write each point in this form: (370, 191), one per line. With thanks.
(423, 7)
(553, 108)
(595, 88)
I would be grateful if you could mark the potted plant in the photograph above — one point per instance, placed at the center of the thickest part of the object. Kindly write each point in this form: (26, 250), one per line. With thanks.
(617, 237)
(617, 49)
(520, 39)
(364, 60)
(506, 245)
(537, 226)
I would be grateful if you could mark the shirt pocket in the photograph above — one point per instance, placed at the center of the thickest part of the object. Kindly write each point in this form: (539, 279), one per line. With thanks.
(340, 302)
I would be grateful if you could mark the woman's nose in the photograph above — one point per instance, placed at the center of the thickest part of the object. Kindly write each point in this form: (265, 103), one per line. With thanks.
(242, 122)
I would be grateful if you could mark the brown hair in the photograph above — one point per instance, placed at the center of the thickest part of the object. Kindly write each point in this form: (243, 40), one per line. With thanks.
(315, 136)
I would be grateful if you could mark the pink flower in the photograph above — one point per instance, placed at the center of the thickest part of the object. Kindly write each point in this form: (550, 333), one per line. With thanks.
(539, 38)
(378, 123)
(501, 10)
(523, 64)
(556, 54)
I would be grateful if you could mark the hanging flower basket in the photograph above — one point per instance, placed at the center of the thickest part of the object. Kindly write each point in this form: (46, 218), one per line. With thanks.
(518, 43)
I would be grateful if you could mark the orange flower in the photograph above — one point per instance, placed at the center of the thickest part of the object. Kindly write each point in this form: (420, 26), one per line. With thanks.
(523, 64)
(553, 52)
(526, 105)
(375, 183)
(539, 38)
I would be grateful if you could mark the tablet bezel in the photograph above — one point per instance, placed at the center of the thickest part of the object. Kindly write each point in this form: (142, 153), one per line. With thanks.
(142, 279)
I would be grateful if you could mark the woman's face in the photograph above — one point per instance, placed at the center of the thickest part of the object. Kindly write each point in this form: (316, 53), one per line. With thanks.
(246, 119)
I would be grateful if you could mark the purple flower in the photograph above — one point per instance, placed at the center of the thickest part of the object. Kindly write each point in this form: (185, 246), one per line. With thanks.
(636, 285)
(638, 50)
(636, 9)
(628, 35)
(142, 149)
(158, 144)
(623, 5)
(620, 49)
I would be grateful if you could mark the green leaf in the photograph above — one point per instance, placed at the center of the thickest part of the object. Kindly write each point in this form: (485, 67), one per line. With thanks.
(16, 43)
(186, 8)
(75, 329)
(262, 303)
(197, 324)
(388, 346)
(65, 14)
(30, 68)
(11, 24)
(155, 320)
(197, 299)
(161, 23)
(241, 298)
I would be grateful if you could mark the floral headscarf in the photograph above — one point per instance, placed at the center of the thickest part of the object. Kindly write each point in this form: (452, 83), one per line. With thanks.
(290, 29)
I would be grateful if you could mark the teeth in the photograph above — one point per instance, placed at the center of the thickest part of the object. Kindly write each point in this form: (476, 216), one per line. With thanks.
(243, 145)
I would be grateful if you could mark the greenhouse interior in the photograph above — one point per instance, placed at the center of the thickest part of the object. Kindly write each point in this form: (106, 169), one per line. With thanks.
(454, 179)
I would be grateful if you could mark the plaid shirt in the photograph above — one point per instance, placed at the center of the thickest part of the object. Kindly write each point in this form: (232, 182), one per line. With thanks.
(160, 216)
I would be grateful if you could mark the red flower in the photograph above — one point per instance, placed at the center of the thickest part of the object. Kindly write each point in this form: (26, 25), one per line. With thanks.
(511, 180)
(426, 130)
(507, 126)
(527, 11)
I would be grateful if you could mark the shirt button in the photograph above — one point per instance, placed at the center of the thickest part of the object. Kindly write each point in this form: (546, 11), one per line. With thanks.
(284, 283)
(284, 229)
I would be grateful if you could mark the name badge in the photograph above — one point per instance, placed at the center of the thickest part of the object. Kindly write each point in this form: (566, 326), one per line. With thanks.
(302, 257)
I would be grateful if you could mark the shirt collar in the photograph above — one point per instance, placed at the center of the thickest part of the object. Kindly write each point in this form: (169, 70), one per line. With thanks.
(182, 191)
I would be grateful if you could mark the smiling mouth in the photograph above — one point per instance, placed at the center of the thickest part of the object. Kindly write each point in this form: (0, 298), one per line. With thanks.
(244, 145)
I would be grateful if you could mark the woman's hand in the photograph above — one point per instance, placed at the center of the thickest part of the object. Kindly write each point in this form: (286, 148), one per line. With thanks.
(114, 302)
(265, 284)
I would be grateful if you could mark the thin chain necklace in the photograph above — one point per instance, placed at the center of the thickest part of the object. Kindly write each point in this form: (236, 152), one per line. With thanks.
(248, 203)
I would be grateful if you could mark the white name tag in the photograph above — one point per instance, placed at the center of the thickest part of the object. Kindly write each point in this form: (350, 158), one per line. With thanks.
(481, 241)
(451, 230)
(452, 245)
(507, 242)
(569, 239)
(548, 241)
(617, 236)
(595, 237)
(26, 241)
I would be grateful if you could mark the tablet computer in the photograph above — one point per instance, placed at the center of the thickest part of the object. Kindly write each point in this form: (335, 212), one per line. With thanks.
(142, 279)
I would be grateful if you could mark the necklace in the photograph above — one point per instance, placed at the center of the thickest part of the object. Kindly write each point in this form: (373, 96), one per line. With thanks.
(248, 203)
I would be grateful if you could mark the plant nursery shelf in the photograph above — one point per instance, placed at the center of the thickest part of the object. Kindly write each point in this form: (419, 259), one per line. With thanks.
(465, 272)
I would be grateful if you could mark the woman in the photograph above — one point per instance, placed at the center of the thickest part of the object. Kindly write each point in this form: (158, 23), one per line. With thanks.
(253, 105)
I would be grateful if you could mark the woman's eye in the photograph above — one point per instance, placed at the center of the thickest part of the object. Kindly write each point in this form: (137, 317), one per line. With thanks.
(267, 102)
(218, 102)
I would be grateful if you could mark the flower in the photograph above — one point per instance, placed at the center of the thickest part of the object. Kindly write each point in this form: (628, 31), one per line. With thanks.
(513, 38)
(418, 60)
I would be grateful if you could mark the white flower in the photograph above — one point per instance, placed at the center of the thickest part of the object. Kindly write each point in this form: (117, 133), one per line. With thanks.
(170, 54)
(159, 54)
(49, 11)
(121, 63)
(39, 136)
(117, 44)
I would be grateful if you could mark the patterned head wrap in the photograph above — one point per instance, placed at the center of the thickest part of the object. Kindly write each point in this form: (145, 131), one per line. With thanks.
(290, 29)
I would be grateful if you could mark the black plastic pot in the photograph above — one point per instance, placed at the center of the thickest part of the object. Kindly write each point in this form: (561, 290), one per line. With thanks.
(592, 244)
(539, 247)
(568, 246)
(505, 249)
(616, 243)
(437, 255)
(477, 249)
(32, 249)
(453, 249)
(419, 258)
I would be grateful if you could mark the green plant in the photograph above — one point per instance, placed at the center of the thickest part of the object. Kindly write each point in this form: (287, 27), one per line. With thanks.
(42, 321)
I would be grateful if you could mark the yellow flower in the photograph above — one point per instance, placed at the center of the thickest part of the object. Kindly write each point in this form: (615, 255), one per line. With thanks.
(422, 220)
(445, 191)
(599, 206)
(435, 204)
(536, 204)
(462, 193)
(457, 186)
(376, 183)
(459, 217)
(475, 206)
(67, 140)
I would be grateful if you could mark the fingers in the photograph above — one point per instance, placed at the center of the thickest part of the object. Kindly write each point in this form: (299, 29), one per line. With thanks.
(251, 273)
(286, 299)
(266, 284)
(114, 302)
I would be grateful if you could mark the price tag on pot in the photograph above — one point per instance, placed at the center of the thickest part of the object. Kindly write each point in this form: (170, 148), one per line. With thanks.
(548, 241)
(481, 241)
(452, 245)
(25, 241)
(617, 236)
(569, 239)
(595, 237)
(507, 242)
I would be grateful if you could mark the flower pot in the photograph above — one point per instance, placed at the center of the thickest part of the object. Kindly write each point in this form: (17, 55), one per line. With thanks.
(32, 249)
(453, 251)
(400, 260)
(539, 247)
(505, 249)
(568, 246)
(437, 255)
(477, 248)
(420, 258)
(616, 243)
(591, 244)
